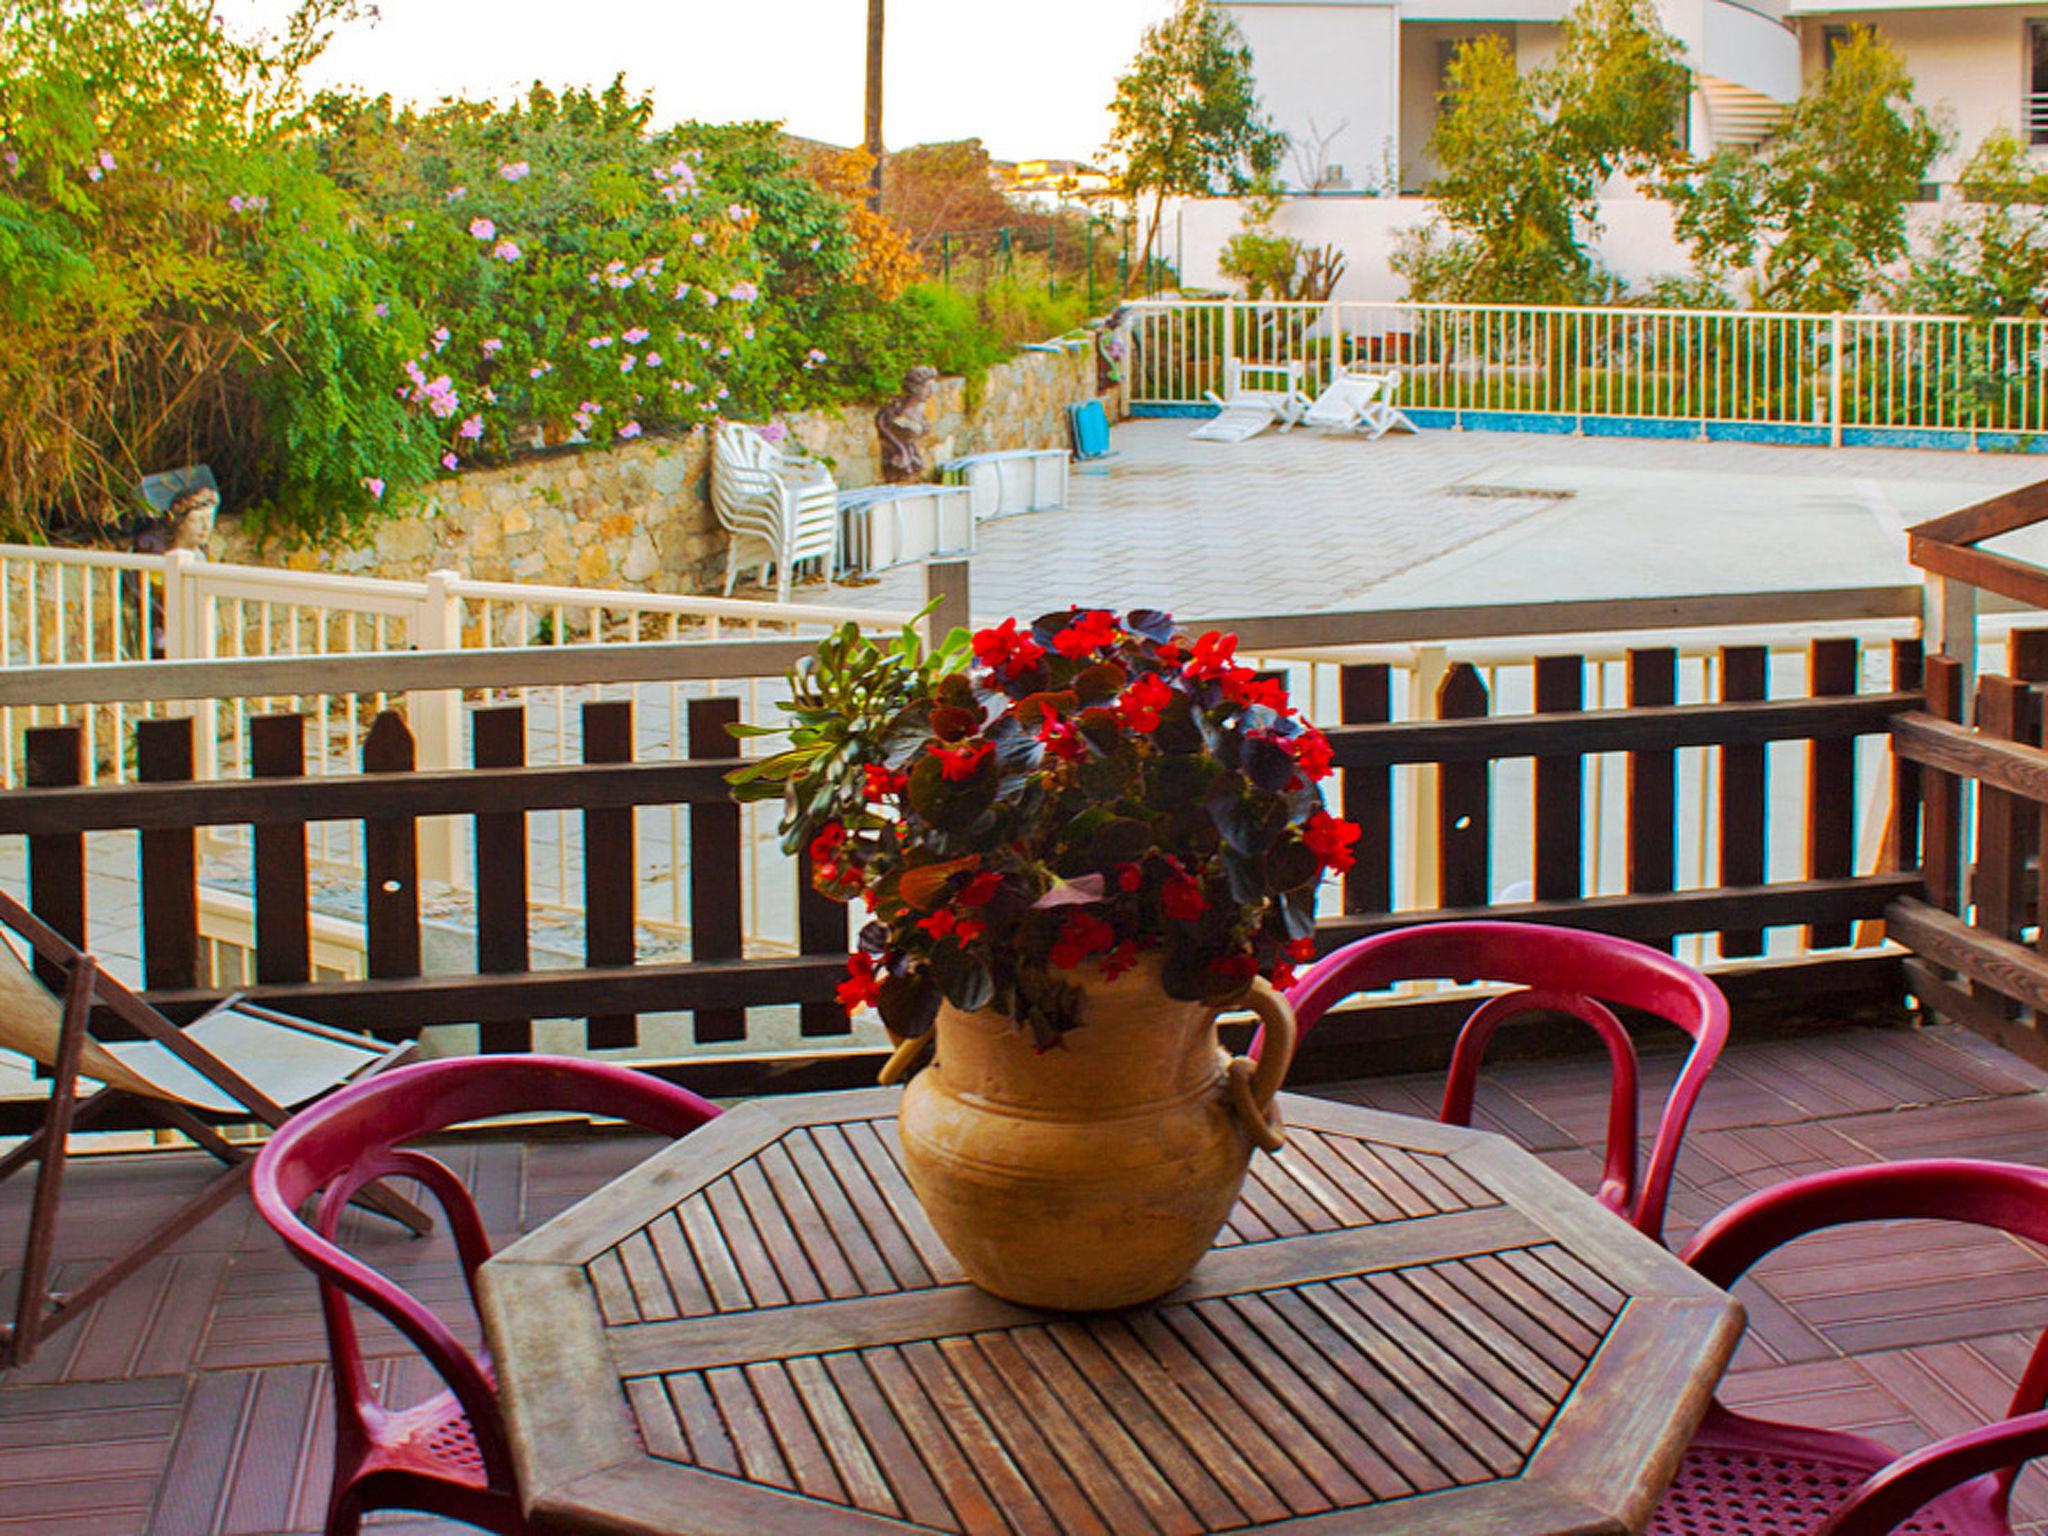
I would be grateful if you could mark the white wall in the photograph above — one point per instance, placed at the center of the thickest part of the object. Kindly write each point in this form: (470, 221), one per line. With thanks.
(1327, 72)
(1636, 242)
(1970, 63)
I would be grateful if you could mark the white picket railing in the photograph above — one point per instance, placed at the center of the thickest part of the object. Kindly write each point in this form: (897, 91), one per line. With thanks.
(68, 606)
(1812, 377)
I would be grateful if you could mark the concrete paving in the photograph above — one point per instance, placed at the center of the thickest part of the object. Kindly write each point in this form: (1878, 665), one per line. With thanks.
(1304, 521)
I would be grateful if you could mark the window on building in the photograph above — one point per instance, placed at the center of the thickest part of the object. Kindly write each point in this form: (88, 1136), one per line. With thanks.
(2035, 108)
(1832, 39)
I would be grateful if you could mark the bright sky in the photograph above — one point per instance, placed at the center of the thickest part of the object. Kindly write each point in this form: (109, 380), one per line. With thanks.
(1028, 80)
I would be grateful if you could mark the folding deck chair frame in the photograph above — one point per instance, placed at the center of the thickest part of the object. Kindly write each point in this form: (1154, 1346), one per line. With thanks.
(74, 1053)
(1360, 401)
(1247, 407)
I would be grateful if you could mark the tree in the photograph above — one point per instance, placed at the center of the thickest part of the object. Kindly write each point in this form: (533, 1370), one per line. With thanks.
(1187, 121)
(1820, 207)
(1991, 258)
(1524, 157)
(933, 189)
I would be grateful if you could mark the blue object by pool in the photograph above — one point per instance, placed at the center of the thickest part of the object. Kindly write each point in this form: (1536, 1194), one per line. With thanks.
(1090, 426)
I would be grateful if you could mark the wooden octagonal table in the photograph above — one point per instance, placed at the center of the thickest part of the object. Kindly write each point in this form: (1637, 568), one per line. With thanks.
(1405, 1328)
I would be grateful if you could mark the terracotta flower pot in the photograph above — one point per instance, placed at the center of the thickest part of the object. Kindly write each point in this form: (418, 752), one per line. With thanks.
(1096, 1174)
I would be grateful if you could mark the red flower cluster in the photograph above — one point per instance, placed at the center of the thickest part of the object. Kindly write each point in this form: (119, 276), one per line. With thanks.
(1138, 706)
(1181, 899)
(862, 987)
(1311, 753)
(879, 783)
(1080, 936)
(1330, 840)
(960, 763)
(1089, 632)
(1212, 656)
(1005, 651)
(944, 924)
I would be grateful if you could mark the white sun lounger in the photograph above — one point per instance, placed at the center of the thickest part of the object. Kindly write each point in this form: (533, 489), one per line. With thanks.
(1359, 402)
(1255, 396)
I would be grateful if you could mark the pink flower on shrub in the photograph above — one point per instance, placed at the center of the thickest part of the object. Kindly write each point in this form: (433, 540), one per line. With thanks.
(774, 431)
(517, 170)
(598, 343)
(10, 159)
(630, 429)
(449, 461)
(375, 487)
(493, 346)
(628, 363)
(540, 368)
(456, 194)
(505, 250)
(106, 160)
(652, 359)
(381, 311)
(471, 429)
(682, 290)
(743, 292)
(483, 229)
(636, 335)
(698, 238)
(440, 337)
(739, 213)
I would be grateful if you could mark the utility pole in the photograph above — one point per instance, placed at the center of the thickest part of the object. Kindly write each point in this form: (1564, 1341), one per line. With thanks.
(874, 115)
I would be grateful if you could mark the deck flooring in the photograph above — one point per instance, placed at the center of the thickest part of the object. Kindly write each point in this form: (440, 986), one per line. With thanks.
(193, 1402)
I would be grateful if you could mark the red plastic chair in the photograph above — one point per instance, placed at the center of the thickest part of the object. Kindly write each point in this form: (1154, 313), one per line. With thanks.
(446, 1455)
(1561, 970)
(1763, 1479)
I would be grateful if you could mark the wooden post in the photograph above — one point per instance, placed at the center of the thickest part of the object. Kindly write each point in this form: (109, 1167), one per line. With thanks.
(56, 860)
(715, 852)
(391, 866)
(947, 583)
(284, 939)
(498, 740)
(1560, 787)
(1832, 667)
(611, 866)
(1745, 678)
(1365, 698)
(1653, 780)
(170, 862)
(1941, 834)
(1465, 794)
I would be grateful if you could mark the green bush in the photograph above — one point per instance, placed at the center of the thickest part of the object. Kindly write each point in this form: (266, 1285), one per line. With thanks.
(332, 300)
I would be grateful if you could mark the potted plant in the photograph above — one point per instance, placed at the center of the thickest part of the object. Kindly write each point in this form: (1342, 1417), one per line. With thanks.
(1079, 841)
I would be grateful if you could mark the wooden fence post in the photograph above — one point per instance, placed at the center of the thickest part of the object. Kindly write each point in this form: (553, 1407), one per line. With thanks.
(56, 860)
(391, 865)
(498, 740)
(1560, 787)
(1365, 698)
(169, 860)
(1745, 678)
(715, 853)
(611, 869)
(1832, 667)
(284, 941)
(1465, 801)
(1653, 780)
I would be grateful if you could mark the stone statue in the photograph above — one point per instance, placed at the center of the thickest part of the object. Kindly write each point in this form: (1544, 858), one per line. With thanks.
(1113, 348)
(901, 425)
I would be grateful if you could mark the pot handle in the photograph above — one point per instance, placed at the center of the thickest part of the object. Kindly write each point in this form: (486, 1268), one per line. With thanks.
(909, 1052)
(1253, 1084)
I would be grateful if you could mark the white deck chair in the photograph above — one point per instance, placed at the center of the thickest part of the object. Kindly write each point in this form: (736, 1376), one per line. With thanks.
(778, 508)
(237, 1060)
(1359, 401)
(1255, 396)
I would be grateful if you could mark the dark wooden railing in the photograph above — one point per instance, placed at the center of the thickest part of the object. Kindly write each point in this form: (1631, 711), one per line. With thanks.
(1830, 899)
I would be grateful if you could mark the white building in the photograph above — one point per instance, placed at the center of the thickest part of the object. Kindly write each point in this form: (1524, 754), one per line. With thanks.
(1355, 85)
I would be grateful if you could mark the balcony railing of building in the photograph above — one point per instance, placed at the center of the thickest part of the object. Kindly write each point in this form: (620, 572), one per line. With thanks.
(1711, 773)
(1758, 376)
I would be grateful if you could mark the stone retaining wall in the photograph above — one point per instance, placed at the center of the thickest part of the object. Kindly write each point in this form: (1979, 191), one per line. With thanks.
(638, 515)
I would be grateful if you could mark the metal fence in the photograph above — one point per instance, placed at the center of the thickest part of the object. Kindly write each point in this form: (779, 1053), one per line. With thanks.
(1822, 378)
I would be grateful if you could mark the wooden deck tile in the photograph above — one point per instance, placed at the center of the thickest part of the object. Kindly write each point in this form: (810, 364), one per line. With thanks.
(196, 1399)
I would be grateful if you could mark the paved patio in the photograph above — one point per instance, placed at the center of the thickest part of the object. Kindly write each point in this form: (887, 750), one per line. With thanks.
(1306, 521)
(193, 1402)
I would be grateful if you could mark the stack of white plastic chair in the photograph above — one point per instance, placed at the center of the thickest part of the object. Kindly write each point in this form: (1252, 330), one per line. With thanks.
(779, 509)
